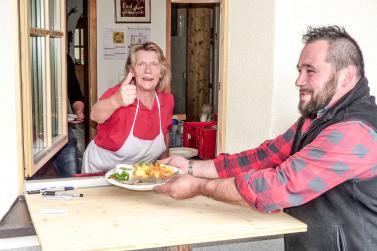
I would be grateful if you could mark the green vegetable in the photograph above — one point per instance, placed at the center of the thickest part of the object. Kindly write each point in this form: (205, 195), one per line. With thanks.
(120, 176)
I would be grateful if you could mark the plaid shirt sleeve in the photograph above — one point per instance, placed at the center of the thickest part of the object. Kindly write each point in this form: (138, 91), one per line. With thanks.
(269, 179)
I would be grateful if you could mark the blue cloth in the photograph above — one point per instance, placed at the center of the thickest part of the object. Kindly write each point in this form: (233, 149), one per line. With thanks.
(66, 160)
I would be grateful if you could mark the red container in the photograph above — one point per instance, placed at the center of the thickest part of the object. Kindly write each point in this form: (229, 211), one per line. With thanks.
(202, 136)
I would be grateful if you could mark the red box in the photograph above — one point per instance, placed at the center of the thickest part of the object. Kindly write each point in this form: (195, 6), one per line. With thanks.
(202, 136)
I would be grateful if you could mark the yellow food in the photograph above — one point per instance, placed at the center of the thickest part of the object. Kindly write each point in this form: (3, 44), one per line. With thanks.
(149, 170)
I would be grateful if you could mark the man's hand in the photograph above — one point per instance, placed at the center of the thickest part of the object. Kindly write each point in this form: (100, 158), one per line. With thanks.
(78, 108)
(183, 187)
(127, 91)
(186, 186)
(176, 161)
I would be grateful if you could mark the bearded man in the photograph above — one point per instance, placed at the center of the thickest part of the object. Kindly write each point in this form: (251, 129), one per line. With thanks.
(323, 169)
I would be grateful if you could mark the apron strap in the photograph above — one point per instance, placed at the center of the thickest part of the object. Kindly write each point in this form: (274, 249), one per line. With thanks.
(137, 110)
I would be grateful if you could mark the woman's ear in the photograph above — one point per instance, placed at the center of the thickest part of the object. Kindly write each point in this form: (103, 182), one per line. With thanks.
(132, 71)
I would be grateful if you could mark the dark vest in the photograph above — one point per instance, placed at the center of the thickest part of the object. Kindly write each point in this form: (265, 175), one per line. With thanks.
(345, 217)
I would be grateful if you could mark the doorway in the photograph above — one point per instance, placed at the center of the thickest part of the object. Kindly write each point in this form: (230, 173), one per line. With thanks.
(194, 58)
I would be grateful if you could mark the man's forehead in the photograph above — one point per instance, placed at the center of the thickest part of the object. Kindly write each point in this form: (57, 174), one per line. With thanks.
(313, 54)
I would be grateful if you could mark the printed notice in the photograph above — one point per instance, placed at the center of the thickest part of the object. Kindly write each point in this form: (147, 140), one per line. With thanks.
(114, 44)
(138, 35)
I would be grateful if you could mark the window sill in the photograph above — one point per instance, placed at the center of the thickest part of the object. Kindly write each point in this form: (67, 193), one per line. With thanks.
(17, 221)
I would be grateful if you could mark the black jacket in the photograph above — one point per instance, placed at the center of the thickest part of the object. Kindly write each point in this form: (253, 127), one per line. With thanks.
(74, 91)
(345, 217)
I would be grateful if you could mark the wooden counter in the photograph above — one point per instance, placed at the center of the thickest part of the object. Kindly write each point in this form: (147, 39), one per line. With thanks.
(113, 218)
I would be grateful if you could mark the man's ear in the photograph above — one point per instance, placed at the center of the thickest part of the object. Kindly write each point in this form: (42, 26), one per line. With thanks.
(347, 76)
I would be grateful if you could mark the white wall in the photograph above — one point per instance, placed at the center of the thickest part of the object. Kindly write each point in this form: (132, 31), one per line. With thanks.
(9, 80)
(250, 72)
(291, 20)
(109, 72)
(264, 46)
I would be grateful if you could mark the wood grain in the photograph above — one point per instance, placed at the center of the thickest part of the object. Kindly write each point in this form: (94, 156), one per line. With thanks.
(113, 218)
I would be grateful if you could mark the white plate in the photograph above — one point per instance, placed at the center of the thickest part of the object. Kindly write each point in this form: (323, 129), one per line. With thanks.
(71, 117)
(185, 152)
(138, 186)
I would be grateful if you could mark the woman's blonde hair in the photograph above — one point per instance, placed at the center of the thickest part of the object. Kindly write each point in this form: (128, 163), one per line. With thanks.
(164, 82)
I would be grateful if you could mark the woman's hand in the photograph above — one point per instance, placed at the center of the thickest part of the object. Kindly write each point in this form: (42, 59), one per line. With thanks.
(127, 91)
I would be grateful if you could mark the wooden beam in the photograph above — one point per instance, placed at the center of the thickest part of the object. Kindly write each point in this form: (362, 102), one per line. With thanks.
(92, 61)
(168, 31)
(221, 133)
(195, 1)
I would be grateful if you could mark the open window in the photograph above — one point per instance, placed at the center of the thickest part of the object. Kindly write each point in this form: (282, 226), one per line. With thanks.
(43, 62)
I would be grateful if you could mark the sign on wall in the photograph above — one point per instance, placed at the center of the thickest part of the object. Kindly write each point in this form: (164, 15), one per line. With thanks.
(132, 11)
(117, 42)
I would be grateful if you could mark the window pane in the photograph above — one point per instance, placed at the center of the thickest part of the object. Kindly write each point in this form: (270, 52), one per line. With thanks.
(56, 87)
(77, 54)
(55, 15)
(77, 37)
(38, 83)
(36, 18)
(82, 56)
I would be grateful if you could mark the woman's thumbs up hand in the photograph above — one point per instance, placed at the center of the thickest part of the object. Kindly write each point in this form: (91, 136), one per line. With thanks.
(127, 90)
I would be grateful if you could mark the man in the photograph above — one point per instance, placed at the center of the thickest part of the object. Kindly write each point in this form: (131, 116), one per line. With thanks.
(323, 169)
(67, 159)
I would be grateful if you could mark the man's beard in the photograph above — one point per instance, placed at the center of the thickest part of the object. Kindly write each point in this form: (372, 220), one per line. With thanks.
(320, 100)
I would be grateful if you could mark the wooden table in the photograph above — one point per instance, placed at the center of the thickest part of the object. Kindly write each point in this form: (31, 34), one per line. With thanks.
(113, 218)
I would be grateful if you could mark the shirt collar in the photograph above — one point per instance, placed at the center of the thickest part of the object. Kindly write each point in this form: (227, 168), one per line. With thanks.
(160, 98)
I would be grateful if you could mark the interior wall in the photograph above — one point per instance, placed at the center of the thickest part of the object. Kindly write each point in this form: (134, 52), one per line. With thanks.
(110, 72)
(262, 97)
(292, 19)
(250, 73)
(9, 79)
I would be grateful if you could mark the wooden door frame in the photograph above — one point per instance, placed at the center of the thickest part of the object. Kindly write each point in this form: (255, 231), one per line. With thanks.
(223, 56)
(92, 63)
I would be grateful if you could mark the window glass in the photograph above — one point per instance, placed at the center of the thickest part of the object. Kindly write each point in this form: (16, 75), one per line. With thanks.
(54, 15)
(36, 17)
(38, 83)
(56, 87)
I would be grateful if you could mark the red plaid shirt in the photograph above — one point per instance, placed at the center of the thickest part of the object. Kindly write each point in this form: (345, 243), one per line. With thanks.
(269, 178)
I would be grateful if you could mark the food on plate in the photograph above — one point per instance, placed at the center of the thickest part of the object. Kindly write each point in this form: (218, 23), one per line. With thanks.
(149, 170)
(143, 171)
(123, 176)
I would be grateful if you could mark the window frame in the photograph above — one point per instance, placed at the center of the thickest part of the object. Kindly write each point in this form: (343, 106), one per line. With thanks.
(53, 145)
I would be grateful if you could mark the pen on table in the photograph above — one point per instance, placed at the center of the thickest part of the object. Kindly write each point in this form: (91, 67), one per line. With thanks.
(56, 189)
(53, 193)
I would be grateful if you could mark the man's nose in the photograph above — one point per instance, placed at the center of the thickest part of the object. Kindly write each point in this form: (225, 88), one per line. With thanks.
(301, 80)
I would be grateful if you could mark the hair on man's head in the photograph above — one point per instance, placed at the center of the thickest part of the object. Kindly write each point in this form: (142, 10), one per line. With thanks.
(343, 49)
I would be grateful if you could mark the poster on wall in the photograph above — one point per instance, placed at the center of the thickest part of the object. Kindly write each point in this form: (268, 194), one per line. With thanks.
(114, 44)
(138, 35)
(132, 11)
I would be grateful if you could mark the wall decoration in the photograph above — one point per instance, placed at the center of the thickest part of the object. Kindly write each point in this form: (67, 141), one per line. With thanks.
(132, 11)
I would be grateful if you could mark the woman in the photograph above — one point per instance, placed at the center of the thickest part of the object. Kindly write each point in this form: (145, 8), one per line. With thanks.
(134, 116)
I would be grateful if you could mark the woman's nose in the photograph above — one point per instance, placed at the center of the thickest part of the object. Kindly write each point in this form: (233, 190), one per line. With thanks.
(148, 68)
